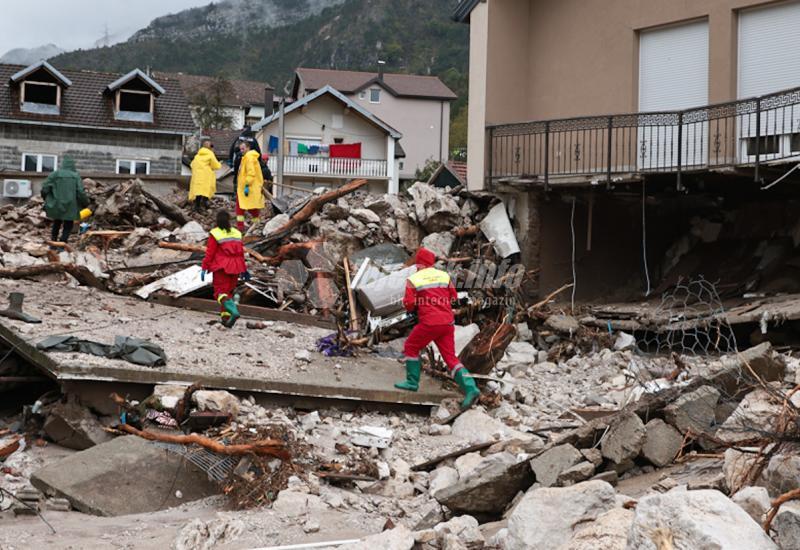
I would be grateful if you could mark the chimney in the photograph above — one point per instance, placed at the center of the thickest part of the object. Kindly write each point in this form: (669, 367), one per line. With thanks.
(381, 66)
(269, 97)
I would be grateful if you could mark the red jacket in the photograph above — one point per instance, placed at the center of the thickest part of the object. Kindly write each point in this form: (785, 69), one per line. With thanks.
(430, 292)
(225, 252)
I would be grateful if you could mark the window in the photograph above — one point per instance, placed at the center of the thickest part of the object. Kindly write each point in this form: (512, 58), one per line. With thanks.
(134, 101)
(795, 143)
(375, 95)
(770, 145)
(33, 162)
(40, 97)
(362, 94)
(338, 141)
(135, 167)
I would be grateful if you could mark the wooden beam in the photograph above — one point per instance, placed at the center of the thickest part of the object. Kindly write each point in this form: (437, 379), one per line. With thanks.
(430, 464)
(265, 313)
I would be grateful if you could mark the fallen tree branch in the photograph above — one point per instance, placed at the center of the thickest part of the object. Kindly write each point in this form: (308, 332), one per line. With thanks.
(794, 494)
(172, 212)
(198, 248)
(549, 297)
(311, 208)
(265, 447)
(83, 275)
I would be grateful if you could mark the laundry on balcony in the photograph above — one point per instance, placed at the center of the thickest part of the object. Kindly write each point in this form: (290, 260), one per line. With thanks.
(346, 150)
(274, 142)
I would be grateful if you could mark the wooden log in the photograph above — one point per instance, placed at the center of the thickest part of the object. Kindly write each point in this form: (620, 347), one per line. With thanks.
(81, 273)
(311, 208)
(430, 464)
(172, 212)
(487, 347)
(264, 447)
(198, 248)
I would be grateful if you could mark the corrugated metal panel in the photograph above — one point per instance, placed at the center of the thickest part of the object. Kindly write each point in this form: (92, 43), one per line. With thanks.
(673, 67)
(769, 49)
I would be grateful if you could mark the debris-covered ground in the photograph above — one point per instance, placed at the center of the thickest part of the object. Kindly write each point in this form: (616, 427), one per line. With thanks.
(581, 440)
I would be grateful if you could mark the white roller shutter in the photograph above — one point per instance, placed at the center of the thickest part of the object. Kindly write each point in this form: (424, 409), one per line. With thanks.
(673, 75)
(769, 49)
(673, 67)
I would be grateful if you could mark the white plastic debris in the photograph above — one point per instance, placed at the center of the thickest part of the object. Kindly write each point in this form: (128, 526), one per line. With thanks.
(371, 436)
(624, 341)
(497, 228)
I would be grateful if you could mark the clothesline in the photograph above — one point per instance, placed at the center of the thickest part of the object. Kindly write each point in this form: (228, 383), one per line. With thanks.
(334, 150)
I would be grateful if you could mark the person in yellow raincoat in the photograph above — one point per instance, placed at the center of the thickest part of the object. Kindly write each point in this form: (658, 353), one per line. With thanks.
(249, 182)
(203, 185)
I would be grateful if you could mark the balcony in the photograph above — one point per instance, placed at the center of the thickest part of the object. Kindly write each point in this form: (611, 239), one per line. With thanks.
(331, 167)
(746, 133)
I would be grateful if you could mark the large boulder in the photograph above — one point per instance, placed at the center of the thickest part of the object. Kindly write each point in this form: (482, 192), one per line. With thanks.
(783, 473)
(694, 411)
(486, 492)
(478, 427)
(399, 538)
(787, 526)
(608, 532)
(549, 517)
(754, 501)
(662, 442)
(551, 463)
(755, 416)
(694, 519)
(737, 467)
(441, 478)
(624, 439)
(436, 211)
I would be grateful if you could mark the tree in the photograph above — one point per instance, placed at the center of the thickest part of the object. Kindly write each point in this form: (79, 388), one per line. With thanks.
(209, 105)
(425, 173)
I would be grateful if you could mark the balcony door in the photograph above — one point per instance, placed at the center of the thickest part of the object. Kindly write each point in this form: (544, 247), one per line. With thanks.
(769, 62)
(673, 75)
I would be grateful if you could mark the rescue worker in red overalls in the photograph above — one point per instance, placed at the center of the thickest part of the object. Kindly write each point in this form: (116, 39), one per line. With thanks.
(430, 293)
(225, 259)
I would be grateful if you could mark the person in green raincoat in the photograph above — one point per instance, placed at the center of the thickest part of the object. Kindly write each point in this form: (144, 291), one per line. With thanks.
(64, 197)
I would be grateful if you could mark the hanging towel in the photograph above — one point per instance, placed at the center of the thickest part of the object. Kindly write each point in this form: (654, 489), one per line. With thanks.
(346, 150)
(293, 148)
(273, 144)
(313, 150)
(302, 149)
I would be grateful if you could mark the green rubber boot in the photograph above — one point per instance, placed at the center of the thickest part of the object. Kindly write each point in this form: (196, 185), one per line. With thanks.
(467, 385)
(413, 366)
(231, 308)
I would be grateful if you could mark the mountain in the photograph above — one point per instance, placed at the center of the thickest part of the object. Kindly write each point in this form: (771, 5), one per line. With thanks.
(266, 40)
(27, 56)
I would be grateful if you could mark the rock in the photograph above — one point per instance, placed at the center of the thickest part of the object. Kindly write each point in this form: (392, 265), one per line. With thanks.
(336, 211)
(478, 427)
(755, 415)
(694, 519)
(441, 477)
(74, 427)
(731, 375)
(309, 421)
(736, 466)
(311, 526)
(399, 538)
(624, 439)
(593, 455)
(365, 215)
(275, 223)
(440, 429)
(520, 352)
(565, 324)
(787, 526)
(192, 232)
(580, 472)
(611, 477)
(92, 480)
(435, 210)
(372, 436)
(408, 233)
(754, 501)
(464, 528)
(662, 443)
(168, 395)
(440, 243)
(549, 517)
(292, 504)
(608, 532)
(303, 355)
(385, 205)
(624, 341)
(487, 491)
(207, 535)
(216, 401)
(465, 464)
(782, 473)
(694, 410)
(548, 465)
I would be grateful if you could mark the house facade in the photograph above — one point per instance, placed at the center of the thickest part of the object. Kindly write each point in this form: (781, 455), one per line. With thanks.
(328, 140)
(626, 133)
(417, 106)
(110, 124)
(244, 102)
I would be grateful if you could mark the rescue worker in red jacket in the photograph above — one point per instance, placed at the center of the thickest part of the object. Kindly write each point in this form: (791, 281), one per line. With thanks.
(225, 259)
(430, 293)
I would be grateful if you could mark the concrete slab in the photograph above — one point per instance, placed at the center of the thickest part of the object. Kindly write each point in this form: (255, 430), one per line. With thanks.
(259, 361)
(148, 476)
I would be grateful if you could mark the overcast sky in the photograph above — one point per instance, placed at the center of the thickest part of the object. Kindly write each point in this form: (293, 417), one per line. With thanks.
(72, 24)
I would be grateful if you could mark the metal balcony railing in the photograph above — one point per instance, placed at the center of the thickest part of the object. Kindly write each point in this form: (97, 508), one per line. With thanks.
(332, 167)
(746, 132)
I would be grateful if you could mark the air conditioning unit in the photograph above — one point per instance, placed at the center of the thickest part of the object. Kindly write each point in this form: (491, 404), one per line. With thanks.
(18, 189)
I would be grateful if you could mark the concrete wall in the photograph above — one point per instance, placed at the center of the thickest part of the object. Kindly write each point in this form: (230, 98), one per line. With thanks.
(543, 59)
(425, 125)
(94, 151)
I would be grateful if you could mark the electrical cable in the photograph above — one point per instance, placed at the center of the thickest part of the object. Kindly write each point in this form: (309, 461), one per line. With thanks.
(780, 179)
(644, 240)
(574, 274)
